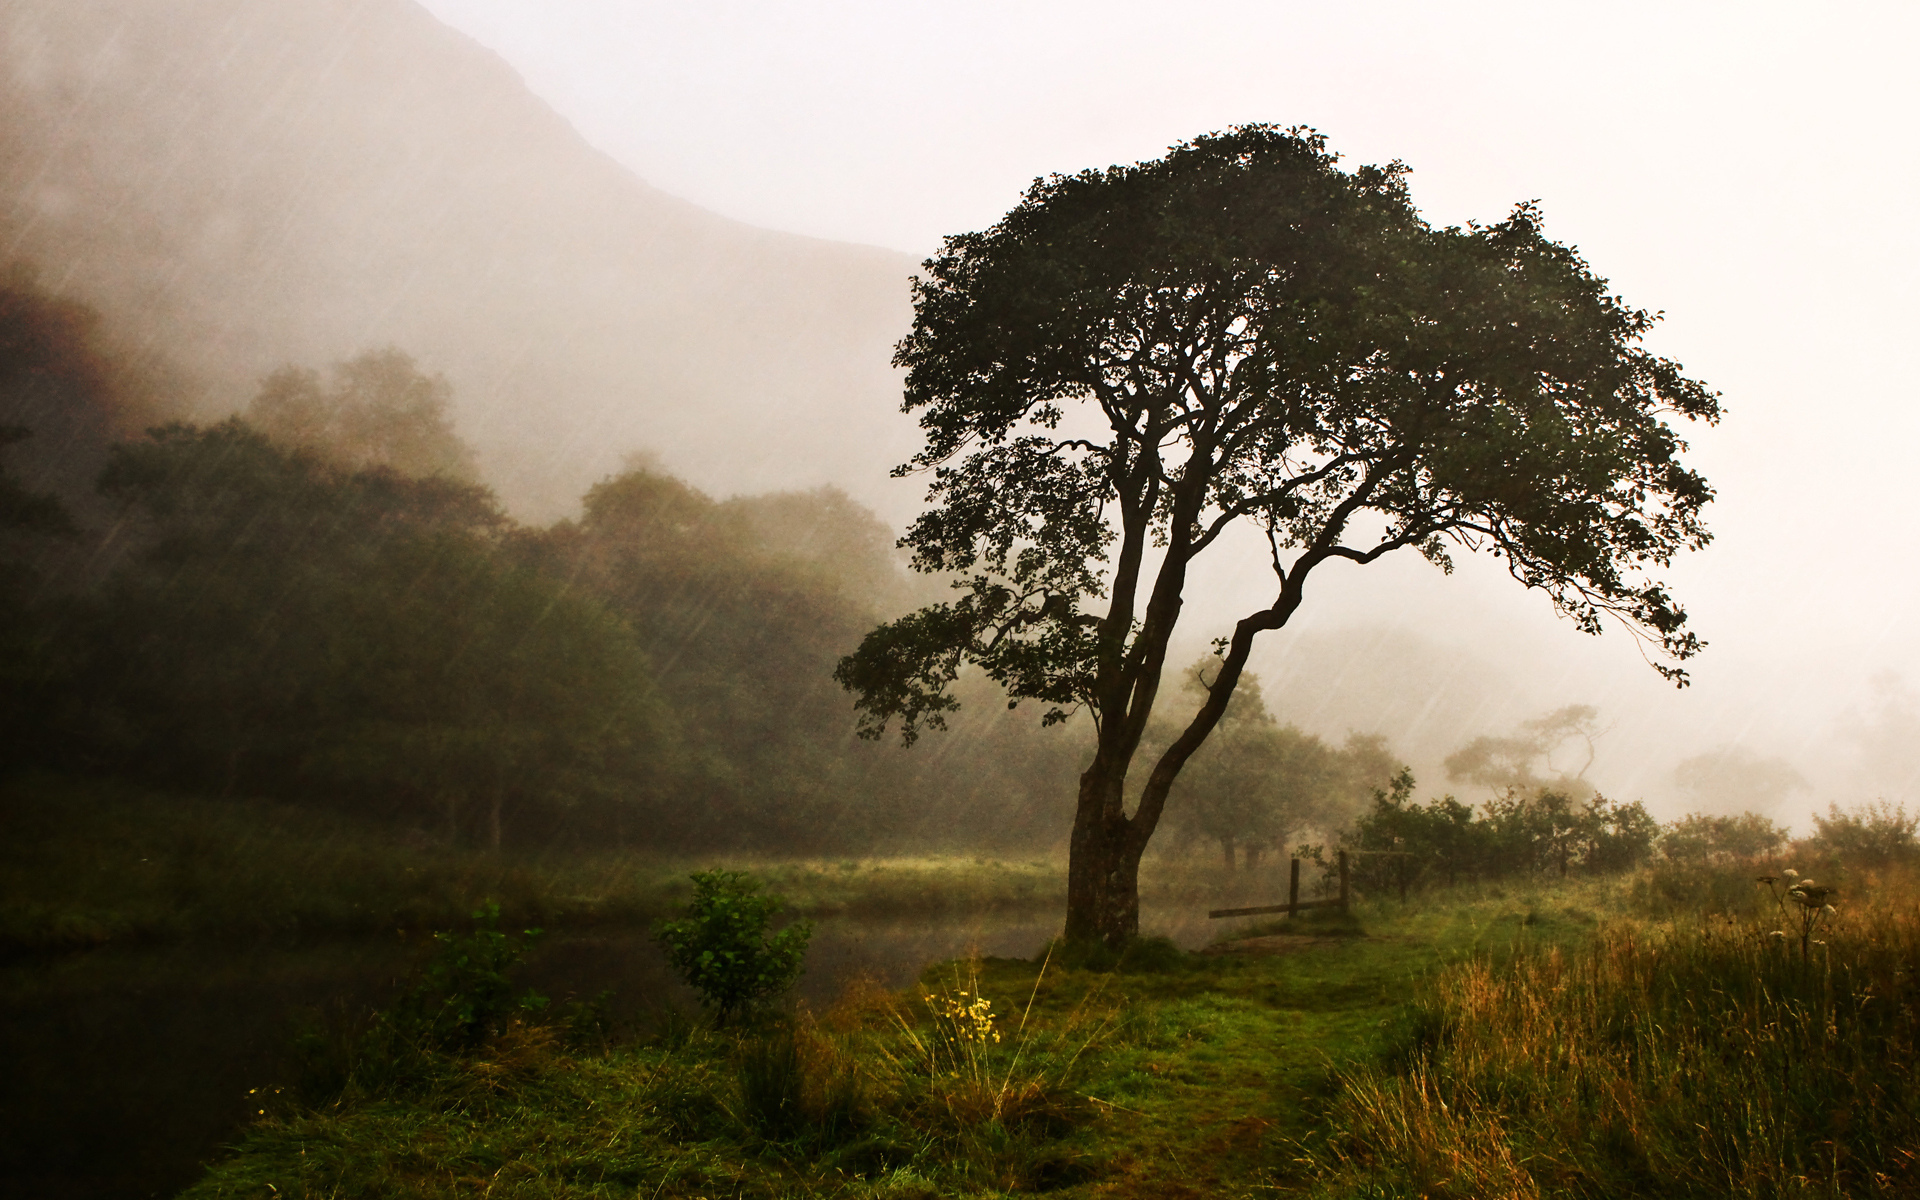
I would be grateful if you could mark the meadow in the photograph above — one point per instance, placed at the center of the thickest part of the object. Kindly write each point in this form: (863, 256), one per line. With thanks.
(1680, 1029)
(1655, 1033)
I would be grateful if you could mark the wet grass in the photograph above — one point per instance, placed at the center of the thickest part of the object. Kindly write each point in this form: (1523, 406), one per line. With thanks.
(1162, 1074)
(1701, 1056)
(1643, 1036)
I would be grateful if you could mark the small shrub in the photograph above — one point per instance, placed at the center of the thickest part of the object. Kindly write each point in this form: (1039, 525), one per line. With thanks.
(723, 948)
(463, 999)
(589, 1023)
(1151, 956)
(464, 995)
(1873, 835)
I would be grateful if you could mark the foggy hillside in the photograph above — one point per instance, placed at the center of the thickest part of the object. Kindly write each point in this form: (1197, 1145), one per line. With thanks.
(240, 184)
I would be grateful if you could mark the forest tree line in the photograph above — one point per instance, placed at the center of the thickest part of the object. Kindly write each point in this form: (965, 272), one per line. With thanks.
(317, 600)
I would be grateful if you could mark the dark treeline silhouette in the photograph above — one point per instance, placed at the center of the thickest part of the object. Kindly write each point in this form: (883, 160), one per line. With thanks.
(315, 602)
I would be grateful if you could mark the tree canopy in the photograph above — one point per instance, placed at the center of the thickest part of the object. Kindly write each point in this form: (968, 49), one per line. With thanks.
(1134, 361)
(377, 410)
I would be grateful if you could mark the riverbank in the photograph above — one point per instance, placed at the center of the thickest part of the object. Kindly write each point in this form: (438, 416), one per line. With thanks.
(95, 863)
(1169, 1073)
(91, 863)
(1541, 1040)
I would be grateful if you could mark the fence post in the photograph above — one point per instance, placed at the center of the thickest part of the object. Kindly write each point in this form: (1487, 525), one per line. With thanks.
(1293, 889)
(1343, 881)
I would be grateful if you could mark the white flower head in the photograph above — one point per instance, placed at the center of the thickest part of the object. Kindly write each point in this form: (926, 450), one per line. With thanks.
(1790, 873)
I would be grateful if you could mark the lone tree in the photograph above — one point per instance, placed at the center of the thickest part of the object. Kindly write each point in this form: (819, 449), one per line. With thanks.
(1134, 361)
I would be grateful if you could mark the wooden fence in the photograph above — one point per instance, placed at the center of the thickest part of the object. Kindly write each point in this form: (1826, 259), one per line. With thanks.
(1295, 904)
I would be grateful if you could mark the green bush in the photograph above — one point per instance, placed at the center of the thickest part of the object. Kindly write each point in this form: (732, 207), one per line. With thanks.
(723, 948)
(1872, 835)
(462, 999)
(465, 994)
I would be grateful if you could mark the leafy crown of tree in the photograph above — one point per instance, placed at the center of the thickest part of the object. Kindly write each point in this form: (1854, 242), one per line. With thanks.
(1264, 337)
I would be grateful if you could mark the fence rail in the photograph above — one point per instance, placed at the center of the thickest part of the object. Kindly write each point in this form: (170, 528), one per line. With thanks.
(1294, 903)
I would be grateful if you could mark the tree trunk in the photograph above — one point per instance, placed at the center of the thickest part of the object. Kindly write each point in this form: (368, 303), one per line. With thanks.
(1103, 867)
(1226, 853)
(1253, 857)
(493, 820)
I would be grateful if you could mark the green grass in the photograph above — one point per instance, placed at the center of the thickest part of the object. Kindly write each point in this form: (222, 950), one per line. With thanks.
(1171, 1075)
(89, 863)
(1641, 1036)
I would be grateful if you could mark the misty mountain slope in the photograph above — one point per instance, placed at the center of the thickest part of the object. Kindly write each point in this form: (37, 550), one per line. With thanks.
(239, 184)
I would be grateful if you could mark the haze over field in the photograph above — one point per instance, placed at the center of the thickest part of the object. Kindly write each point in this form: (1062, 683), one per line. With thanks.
(240, 184)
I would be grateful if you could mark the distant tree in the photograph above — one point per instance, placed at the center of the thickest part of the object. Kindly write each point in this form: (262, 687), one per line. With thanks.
(1735, 779)
(1870, 835)
(30, 659)
(1257, 782)
(743, 628)
(25, 513)
(1701, 837)
(832, 533)
(1441, 836)
(1614, 836)
(1134, 362)
(376, 410)
(1518, 833)
(1534, 757)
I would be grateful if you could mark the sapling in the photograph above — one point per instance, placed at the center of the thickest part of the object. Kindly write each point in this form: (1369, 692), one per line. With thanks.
(723, 948)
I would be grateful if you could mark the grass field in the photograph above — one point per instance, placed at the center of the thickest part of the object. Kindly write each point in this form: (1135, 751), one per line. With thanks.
(1679, 1031)
(1255, 1068)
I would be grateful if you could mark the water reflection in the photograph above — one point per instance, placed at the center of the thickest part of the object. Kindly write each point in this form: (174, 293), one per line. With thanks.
(126, 1069)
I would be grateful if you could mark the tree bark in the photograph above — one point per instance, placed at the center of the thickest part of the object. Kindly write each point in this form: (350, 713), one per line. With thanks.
(1103, 871)
(1226, 854)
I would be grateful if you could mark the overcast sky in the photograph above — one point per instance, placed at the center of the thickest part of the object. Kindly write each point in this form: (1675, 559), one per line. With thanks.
(1747, 168)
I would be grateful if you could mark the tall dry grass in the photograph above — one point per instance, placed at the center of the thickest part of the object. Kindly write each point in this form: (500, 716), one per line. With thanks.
(1701, 1058)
